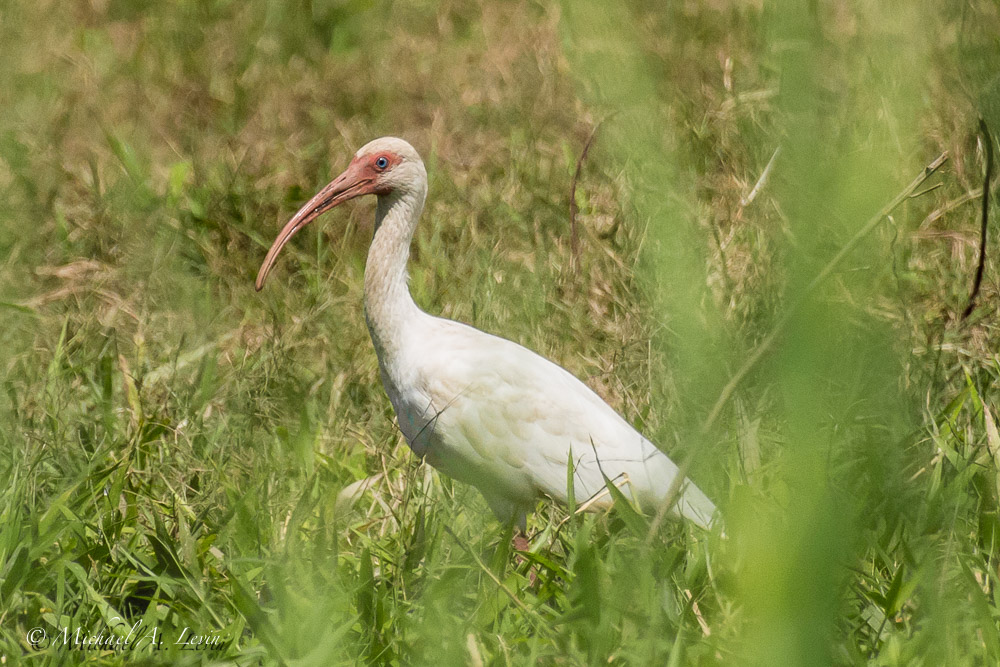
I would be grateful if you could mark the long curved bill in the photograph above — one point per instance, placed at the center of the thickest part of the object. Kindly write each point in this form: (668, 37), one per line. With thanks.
(352, 183)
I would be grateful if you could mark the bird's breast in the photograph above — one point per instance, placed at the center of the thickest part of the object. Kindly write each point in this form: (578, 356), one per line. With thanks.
(413, 410)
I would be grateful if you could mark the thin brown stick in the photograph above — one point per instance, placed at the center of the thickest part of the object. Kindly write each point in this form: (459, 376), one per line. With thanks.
(574, 237)
(705, 630)
(988, 141)
(779, 328)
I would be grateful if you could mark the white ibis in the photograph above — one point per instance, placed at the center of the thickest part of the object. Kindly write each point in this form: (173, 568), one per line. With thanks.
(479, 408)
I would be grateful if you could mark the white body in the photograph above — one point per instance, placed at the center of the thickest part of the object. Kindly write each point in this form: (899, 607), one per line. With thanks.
(496, 415)
(485, 410)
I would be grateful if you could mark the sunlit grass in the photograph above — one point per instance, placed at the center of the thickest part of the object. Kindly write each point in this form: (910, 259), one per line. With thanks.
(176, 445)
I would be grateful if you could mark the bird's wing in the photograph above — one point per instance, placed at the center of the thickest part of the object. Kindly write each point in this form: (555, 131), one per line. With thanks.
(517, 418)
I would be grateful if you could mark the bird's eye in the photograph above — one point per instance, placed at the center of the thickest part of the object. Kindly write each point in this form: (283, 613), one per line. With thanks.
(382, 162)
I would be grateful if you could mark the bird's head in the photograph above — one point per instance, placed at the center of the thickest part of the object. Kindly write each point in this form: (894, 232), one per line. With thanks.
(381, 167)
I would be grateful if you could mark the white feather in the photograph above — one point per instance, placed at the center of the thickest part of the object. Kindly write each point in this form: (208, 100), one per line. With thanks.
(494, 414)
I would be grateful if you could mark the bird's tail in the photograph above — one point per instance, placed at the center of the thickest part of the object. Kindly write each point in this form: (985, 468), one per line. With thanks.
(695, 506)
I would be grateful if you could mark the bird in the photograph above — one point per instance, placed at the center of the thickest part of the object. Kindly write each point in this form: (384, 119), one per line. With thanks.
(480, 408)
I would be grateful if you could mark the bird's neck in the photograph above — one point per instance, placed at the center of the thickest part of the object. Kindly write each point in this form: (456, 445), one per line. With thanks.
(389, 308)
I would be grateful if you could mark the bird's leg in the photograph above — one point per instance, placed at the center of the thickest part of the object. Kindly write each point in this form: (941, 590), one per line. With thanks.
(520, 526)
(515, 520)
(521, 543)
(515, 537)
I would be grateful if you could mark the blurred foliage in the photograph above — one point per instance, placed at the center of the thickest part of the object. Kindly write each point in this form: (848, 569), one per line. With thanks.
(175, 446)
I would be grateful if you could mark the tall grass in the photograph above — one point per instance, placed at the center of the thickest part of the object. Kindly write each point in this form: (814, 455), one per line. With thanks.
(176, 448)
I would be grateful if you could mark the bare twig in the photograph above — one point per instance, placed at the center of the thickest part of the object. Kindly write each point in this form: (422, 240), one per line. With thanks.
(917, 195)
(779, 328)
(745, 201)
(988, 141)
(574, 238)
(705, 630)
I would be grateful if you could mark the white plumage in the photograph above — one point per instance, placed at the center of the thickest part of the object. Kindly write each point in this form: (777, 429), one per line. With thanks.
(483, 409)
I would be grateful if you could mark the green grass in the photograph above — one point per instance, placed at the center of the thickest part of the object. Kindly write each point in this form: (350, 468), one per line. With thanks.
(175, 446)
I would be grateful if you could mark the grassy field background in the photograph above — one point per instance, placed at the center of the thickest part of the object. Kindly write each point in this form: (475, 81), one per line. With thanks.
(176, 447)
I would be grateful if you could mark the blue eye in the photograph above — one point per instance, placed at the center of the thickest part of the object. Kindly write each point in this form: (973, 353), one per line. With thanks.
(382, 162)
